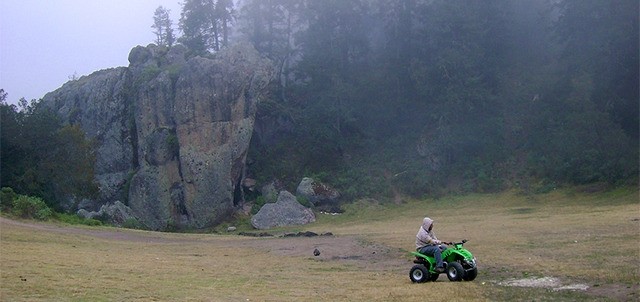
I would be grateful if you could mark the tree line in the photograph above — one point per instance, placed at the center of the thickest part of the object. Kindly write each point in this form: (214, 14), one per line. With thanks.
(43, 158)
(433, 96)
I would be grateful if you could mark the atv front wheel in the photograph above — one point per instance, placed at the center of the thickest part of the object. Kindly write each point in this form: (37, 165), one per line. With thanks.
(455, 272)
(470, 274)
(419, 274)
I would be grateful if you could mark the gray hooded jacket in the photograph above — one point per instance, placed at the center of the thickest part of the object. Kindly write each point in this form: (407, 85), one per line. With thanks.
(424, 236)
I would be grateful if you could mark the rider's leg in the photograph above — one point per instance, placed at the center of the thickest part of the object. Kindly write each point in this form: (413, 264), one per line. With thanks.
(433, 250)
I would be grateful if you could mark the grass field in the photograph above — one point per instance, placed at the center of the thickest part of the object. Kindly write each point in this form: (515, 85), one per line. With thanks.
(589, 242)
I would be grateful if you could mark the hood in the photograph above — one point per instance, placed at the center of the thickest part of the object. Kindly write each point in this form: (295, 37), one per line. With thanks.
(426, 223)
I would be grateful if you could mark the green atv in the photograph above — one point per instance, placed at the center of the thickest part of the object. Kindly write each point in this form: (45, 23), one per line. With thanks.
(459, 265)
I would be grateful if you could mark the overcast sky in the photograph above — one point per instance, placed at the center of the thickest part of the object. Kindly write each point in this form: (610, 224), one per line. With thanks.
(45, 42)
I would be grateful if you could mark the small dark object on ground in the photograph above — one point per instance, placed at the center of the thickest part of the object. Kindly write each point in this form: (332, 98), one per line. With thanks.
(298, 234)
(301, 234)
(262, 234)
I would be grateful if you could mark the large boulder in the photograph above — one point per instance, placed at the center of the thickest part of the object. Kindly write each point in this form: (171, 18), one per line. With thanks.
(171, 132)
(322, 196)
(285, 211)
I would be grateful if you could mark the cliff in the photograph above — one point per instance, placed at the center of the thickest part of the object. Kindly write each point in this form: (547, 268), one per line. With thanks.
(171, 132)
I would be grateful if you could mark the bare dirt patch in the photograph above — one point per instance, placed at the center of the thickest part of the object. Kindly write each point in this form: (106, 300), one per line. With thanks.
(545, 282)
(347, 249)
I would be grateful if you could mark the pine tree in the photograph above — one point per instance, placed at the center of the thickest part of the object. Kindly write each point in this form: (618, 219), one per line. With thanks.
(206, 24)
(162, 26)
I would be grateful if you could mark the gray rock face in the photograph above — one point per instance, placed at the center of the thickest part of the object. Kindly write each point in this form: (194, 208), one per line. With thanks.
(98, 103)
(321, 195)
(284, 212)
(172, 134)
(116, 213)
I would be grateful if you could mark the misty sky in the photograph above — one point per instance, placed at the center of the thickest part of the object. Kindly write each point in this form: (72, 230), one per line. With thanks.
(45, 42)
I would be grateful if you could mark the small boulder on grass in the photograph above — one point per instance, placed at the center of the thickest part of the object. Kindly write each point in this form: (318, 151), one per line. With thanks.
(116, 213)
(321, 195)
(285, 211)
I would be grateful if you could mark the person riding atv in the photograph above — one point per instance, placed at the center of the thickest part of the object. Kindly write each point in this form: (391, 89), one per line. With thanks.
(432, 257)
(428, 244)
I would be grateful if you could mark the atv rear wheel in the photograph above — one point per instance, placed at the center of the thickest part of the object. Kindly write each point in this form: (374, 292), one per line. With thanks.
(455, 272)
(419, 274)
(470, 275)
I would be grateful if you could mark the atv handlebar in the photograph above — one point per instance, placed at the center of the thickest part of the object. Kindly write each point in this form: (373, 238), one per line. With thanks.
(454, 243)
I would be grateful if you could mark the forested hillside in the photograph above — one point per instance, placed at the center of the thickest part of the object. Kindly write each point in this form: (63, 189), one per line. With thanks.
(385, 98)
(428, 97)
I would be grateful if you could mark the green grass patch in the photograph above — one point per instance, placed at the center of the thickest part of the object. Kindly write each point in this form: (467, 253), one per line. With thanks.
(74, 219)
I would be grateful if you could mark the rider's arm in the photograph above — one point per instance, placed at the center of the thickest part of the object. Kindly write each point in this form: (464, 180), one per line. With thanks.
(424, 238)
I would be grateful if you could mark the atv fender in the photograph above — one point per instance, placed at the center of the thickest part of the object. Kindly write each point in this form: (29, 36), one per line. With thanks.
(451, 255)
(427, 261)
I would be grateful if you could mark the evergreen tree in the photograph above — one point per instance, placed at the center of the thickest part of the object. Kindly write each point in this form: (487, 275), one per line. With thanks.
(195, 24)
(223, 18)
(205, 24)
(271, 26)
(334, 58)
(163, 27)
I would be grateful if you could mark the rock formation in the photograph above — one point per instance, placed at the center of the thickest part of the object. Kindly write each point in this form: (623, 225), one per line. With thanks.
(284, 212)
(118, 213)
(171, 132)
(322, 196)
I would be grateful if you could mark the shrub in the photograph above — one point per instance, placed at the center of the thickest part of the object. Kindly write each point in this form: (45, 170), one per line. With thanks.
(31, 207)
(7, 195)
(149, 73)
(260, 201)
(132, 223)
(304, 201)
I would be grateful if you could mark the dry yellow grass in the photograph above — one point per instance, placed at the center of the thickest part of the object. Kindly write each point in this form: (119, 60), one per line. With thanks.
(591, 239)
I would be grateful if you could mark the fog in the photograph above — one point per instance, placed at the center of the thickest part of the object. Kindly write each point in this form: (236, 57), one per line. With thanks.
(44, 43)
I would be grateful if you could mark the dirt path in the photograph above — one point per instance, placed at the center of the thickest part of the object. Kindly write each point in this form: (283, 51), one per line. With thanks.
(345, 249)
(111, 234)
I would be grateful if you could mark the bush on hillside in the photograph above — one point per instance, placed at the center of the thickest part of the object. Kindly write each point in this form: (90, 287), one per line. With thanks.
(7, 195)
(31, 207)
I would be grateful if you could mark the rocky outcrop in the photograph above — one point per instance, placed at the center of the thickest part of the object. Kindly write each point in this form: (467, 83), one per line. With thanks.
(171, 132)
(285, 211)
(322, 196)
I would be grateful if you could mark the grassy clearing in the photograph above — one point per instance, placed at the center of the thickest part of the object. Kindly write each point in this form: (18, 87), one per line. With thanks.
(577, 238)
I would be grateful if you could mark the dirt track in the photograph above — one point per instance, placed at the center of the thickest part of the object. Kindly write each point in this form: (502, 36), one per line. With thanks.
(355, 251)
